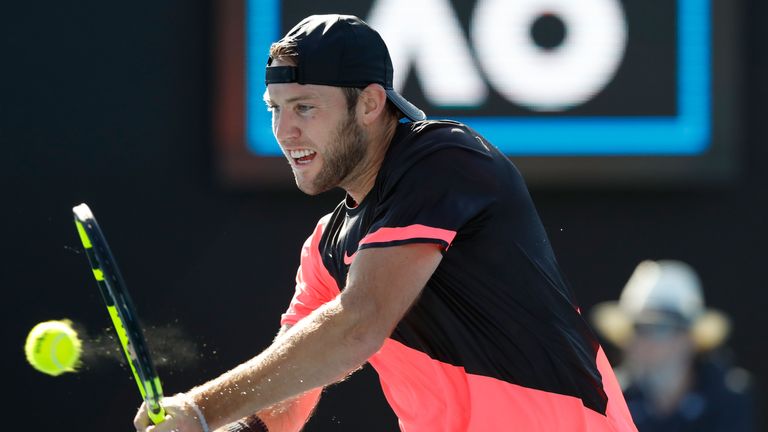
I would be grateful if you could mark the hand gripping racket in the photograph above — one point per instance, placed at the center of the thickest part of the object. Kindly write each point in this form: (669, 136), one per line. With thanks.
(121, 310)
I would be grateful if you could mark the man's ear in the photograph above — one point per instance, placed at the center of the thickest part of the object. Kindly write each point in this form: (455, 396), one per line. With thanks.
(372, 103)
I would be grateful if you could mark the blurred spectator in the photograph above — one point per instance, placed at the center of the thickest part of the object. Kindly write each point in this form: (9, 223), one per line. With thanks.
(673, 370)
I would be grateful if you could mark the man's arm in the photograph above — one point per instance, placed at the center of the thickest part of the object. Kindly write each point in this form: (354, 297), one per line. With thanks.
(290, 415)
(328, 344)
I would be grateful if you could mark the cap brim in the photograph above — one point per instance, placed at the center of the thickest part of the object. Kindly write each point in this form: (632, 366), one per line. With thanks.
(612, 323)
(711, 330)
(708, 331)
(408, 109)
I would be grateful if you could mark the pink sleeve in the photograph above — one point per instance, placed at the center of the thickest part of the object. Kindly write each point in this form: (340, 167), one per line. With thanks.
(416, 233)
(314, 285)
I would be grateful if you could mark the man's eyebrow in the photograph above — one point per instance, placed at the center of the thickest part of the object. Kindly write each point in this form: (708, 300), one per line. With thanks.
(290, 99)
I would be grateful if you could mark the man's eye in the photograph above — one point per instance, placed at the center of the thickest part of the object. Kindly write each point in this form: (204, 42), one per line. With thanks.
(303, 108)
(273, 108)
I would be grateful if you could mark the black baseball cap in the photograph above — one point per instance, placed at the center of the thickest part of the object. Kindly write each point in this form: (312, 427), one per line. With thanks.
(340, 51)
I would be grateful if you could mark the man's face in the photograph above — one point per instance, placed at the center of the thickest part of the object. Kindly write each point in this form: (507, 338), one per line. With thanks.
(322, 141)
(659, 357)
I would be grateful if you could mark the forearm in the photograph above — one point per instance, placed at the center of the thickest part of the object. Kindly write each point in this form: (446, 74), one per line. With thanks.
(319, 350)
(291, 415)
(286, 416)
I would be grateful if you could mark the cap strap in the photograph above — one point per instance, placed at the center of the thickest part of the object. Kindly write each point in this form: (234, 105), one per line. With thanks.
(280, 74)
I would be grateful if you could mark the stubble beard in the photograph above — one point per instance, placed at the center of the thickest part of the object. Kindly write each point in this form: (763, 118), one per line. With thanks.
(345, 154)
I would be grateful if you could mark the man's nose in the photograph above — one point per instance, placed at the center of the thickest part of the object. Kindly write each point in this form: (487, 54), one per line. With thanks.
(284, 126)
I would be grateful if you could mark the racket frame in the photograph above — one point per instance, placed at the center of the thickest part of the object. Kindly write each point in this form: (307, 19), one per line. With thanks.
(121, 310)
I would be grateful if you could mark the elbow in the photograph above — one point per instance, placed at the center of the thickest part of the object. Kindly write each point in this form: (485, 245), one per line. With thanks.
(367, 342)
(365, 332)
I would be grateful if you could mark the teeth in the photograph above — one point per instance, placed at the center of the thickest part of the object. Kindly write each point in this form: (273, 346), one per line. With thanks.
(300, 153)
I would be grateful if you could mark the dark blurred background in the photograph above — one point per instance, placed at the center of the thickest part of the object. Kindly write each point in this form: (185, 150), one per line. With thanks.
(111, 104)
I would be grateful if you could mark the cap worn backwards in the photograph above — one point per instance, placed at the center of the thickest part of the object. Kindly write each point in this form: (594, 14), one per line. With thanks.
(340, 51)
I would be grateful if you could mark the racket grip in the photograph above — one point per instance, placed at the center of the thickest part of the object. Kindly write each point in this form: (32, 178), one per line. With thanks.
(156, 414)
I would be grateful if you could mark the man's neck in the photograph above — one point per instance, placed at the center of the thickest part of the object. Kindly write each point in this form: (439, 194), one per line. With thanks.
(365, 178)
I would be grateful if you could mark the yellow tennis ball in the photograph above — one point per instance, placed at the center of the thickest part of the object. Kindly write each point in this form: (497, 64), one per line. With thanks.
(53, 347)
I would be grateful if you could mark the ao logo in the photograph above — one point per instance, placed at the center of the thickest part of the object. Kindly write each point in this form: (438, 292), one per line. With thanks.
(429, 40)
(497, 57)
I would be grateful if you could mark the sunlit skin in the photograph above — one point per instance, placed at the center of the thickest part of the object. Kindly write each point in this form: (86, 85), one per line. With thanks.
(346, 150)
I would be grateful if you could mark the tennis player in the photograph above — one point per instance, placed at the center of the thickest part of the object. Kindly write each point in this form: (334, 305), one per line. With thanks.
(435, 268)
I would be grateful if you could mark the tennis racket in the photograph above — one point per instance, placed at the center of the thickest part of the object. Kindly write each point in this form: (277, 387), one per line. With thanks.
(121, 310)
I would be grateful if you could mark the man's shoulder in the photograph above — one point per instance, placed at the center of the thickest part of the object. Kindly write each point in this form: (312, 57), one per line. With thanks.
(721, 375)
(438, 154)
(322, 225)
(441, 133)
(416, 141)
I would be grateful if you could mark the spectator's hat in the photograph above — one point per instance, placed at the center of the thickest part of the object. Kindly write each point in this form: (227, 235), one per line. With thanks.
(661, 294)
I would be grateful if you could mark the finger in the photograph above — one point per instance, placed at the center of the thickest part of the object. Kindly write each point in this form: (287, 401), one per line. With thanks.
(141, 421)
(168, 425)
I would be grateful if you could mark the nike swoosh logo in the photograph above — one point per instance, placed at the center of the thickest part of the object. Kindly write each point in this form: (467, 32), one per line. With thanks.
(348, 259)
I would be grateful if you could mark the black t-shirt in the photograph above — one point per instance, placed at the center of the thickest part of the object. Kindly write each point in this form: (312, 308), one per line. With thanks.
(498, 293)
(495, 337)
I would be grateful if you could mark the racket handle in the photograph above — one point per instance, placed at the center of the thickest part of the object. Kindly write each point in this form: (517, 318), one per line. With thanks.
(156, 414)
